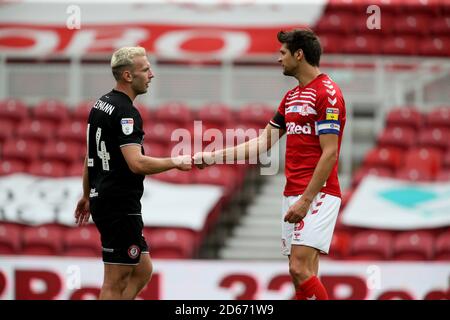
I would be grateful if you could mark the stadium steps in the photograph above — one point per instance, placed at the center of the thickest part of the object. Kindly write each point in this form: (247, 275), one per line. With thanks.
(363, 136)
(258, 234)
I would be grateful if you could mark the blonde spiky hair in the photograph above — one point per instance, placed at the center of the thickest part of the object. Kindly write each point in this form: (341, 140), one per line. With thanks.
(124, 57)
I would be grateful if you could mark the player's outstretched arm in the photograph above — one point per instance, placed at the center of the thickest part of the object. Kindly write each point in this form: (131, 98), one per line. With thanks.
(141, 164)
(243, 151)
(82, 211)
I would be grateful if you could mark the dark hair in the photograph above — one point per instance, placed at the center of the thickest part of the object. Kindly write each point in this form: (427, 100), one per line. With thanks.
(304, 39)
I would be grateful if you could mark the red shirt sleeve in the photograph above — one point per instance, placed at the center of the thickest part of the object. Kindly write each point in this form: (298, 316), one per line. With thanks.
(330, 109)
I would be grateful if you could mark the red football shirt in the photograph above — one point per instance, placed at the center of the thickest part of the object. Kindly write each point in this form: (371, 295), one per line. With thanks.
(305, 113)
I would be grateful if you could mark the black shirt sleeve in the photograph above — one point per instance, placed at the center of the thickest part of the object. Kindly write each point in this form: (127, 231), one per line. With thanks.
(278, 121)
(129, 127)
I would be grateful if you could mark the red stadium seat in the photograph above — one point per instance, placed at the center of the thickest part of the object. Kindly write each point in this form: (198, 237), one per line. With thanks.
(72, 131)
(255, 115)
(20, 149)
(405, 117)
(371, 245)
(386, 27)
(432, 7)
(439, 117)
(159, 133)
(390, 158)
(434, 138)
(38, 130)
(176, 113)
(435, 46)
(144, 111)
(51, 110)
(10, 238)
(43, 240)
(340, 245)
(11, 166)
(174, 176)
(13, 109)
(82, 110)
(156, 150)
(414, 174)
(171, 243)
(82, 242)
(440, 26)
(331, 43)
(443, 176)
(446, 160)
(413, 245)
(362, 44)
(8, 129)
(337, 22)
(217, 114)
(217, 175)
(442, 246)
(365, 171)
(412, 24)
(398, 137)
(54, 169)
(424, 159)
(400, 45)
(445, 9)
(64, 152)
(354, 6)
(75, 169)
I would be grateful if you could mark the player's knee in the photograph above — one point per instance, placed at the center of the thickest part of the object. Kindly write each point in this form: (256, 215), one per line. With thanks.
(118, 285)
(300, 272)
(145, 275)
(116, 282)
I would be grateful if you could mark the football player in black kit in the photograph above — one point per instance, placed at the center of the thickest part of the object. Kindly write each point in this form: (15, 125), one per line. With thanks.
(113, 175)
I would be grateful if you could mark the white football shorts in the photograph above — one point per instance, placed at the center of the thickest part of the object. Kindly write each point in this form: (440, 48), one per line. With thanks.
(316, 229)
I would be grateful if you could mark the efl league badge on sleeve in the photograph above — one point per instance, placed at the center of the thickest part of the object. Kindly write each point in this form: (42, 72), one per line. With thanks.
(127, 125)
(332, 114)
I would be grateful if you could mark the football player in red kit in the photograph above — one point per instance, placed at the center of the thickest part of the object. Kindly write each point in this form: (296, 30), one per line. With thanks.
(312, 115)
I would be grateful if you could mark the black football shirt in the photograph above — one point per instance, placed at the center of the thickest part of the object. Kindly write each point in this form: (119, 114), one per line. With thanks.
(114, 189)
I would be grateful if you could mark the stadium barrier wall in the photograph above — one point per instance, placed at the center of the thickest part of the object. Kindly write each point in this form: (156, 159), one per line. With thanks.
(62, 278)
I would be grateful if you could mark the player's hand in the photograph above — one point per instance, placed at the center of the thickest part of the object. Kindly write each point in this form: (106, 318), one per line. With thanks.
(203, 159)
(82, 212)
(297, 211)
(183, 163)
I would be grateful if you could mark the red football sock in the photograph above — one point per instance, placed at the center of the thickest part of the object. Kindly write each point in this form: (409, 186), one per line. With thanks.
(299, 294)
(313, 289)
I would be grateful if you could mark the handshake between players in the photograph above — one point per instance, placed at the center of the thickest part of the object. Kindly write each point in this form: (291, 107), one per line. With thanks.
(200, 160)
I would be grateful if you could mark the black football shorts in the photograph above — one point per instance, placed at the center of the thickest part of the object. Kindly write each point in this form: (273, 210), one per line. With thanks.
(122, 239)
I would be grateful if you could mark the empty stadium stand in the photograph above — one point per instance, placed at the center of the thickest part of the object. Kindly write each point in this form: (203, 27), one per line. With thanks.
(421, 29)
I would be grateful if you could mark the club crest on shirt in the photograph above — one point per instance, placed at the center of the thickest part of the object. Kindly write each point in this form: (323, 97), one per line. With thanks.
(134, 251)
(299, 226)
(127, 125)
(332, 114)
